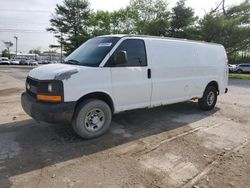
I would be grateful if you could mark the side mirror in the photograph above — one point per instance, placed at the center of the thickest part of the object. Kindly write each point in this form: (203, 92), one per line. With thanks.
(121, 58)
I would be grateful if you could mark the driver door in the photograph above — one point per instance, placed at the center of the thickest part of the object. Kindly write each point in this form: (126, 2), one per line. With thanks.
(131, 82)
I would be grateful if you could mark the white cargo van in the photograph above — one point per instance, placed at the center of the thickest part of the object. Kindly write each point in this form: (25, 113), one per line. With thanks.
(114, 73)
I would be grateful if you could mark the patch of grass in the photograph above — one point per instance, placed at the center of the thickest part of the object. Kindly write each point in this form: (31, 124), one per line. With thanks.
(239, 76)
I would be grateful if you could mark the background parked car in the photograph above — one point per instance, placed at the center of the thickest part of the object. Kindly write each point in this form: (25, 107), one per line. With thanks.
(33, 63)
(43, 62)
(24, 62)
(14, 62)
(243, 68)
(232, 68)
(4, 61)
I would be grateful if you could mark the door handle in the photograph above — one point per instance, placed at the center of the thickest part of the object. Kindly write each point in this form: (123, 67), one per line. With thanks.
(149, 73)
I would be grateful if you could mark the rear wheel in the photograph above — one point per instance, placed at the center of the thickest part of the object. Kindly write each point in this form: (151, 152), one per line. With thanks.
(92, 118)
(209, 99)
(239, 71)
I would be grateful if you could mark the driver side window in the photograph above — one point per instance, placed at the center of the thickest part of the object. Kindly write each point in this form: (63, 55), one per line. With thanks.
(136, 53)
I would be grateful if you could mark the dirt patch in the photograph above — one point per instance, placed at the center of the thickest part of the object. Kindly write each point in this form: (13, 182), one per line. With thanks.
(231, 171)
(10, 91)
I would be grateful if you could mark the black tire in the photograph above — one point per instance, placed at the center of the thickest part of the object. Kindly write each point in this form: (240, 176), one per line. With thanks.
(239, 71)
(209, 99)
(83, 121)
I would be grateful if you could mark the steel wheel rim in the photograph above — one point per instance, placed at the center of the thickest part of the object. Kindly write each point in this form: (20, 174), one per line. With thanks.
(210, 98)
(94, 120)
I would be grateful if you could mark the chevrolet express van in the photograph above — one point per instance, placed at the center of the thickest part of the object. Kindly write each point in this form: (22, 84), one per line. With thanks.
(115, 73)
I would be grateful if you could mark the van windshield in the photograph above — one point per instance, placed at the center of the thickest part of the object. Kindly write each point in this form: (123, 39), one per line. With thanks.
(92, 52)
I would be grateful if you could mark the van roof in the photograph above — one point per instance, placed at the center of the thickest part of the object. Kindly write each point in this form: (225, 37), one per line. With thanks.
(159, 37)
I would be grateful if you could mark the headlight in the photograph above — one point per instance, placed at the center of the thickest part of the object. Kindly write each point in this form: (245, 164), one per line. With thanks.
(50, 91)
(50, 87)
(27, 86)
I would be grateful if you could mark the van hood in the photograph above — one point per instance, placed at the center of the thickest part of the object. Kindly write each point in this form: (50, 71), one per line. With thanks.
(54, 71)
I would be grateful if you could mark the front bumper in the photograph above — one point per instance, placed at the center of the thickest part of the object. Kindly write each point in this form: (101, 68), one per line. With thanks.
(48, 112)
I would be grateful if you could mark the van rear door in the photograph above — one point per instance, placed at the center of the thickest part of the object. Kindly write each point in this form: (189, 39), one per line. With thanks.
(131, 82)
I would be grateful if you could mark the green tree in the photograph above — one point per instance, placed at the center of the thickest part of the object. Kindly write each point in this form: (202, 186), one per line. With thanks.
(70, 23)
(123, 21)
(183, 21)
(100, 22)
(230, 27)
(35, 51)
(116, 22)
(151, 17)
(5, 53)
(8, 45)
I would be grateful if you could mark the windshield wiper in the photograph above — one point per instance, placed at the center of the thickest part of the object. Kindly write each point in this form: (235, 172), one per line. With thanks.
(75, 62)
(72, 61)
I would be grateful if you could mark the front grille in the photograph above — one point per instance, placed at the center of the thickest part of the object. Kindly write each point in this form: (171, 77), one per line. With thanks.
(34, 87)
(31, 86)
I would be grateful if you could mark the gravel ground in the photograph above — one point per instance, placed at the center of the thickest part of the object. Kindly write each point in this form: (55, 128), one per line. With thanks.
(171, 146)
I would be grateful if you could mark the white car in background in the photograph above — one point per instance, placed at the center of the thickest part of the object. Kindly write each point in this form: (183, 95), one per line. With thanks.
(243, 68)
(14, 62)
(232, 68)
(33, 63)
(4, 61)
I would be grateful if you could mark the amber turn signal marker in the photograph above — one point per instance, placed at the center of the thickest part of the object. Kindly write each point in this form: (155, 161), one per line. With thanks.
(49, 98)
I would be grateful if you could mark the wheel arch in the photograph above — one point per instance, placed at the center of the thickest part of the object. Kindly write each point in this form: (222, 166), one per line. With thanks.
(239, 70)
(213, 84)
(97, 95)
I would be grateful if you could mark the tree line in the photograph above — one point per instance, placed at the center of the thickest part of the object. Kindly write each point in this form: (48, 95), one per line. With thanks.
(74, 22)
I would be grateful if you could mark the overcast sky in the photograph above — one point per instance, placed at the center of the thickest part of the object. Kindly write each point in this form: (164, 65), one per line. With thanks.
(27, 19)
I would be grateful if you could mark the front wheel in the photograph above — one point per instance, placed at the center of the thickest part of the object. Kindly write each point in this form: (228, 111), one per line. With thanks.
(209, 99)
(92, 118)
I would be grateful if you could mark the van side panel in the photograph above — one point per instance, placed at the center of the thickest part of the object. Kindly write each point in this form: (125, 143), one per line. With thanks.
(173, 66)
(211, 66)
(181, 70)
